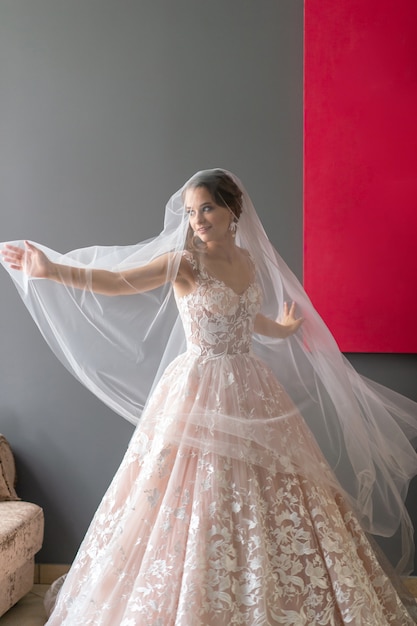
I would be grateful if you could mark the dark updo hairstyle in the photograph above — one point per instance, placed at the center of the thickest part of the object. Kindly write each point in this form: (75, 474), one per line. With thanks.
(224, 192)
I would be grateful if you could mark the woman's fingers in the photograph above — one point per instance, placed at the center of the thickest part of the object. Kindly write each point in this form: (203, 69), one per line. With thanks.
(12, 254)
(289, 311)
(20, 258)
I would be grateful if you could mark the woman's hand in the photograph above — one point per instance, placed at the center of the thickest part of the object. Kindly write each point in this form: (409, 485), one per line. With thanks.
(29, 259)
(288, 319)
(287, 325)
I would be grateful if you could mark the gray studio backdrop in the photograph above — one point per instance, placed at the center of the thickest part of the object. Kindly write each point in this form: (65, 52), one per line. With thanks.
(107, 107)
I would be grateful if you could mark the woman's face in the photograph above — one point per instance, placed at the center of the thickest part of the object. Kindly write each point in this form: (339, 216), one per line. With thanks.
(209, 221)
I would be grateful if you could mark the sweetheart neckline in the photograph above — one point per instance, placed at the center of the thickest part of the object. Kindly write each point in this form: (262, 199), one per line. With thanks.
(211, 276)
(222, 282)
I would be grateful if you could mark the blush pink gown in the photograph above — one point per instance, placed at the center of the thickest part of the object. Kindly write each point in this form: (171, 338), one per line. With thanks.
(224, 511)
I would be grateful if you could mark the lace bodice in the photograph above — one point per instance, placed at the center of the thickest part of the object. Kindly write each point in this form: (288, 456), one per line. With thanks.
(216, 319)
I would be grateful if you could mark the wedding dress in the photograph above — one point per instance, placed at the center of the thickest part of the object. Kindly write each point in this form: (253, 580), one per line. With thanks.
(260, 468)
(229, 532)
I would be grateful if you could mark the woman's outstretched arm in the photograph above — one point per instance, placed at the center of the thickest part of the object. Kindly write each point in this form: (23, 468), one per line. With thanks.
(35, 263)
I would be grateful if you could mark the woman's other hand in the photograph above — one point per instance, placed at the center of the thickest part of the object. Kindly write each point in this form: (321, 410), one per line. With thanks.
(289, 320)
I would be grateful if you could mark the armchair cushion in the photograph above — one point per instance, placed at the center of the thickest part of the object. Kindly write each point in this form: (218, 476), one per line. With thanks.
(21, 533)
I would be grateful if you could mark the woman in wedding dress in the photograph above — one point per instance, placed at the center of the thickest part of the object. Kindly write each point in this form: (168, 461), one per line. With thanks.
(262, 462)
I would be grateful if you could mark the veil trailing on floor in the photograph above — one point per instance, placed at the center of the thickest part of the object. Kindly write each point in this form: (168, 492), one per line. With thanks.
(119, 346)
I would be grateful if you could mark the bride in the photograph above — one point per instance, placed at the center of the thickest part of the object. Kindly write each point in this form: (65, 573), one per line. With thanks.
(262, 463)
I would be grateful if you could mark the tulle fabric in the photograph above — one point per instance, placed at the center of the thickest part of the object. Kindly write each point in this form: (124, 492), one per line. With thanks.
(120, 346)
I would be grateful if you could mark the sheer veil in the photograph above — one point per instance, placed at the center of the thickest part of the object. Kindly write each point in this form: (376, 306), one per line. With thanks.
(118, 347)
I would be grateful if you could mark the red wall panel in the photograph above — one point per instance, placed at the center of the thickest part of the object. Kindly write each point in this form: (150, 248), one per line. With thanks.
(360, 171)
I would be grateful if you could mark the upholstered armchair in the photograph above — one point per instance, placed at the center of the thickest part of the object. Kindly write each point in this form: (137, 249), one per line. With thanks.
(21, 534)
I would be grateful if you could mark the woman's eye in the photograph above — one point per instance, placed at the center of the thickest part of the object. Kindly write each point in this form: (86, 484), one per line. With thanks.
(204, 209)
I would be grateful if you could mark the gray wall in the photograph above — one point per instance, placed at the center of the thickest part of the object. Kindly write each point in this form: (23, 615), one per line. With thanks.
(107, 107)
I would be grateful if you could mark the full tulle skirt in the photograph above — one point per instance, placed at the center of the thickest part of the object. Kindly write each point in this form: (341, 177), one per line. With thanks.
(222, 513)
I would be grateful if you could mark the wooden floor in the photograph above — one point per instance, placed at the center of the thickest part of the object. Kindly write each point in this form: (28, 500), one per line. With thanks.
(29, 610)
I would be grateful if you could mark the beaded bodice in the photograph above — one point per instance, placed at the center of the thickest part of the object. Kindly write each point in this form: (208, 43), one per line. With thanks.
(216, 319)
